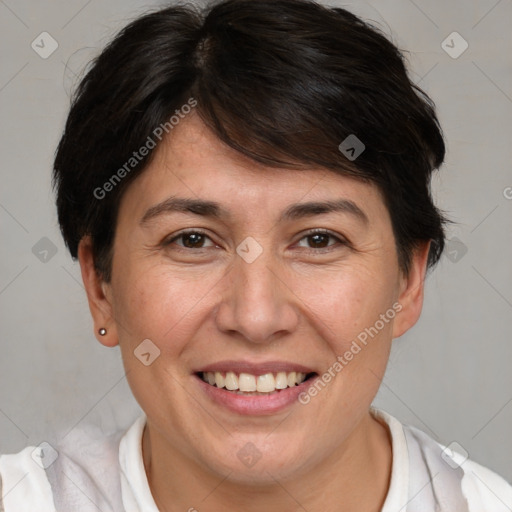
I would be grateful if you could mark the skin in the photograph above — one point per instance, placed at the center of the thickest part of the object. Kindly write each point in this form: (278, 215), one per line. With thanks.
(296, 302)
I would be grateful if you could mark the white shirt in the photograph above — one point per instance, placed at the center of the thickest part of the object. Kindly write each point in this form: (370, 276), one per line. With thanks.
(25, 484)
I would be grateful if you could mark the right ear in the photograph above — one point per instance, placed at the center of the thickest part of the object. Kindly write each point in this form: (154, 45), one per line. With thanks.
(99, 295)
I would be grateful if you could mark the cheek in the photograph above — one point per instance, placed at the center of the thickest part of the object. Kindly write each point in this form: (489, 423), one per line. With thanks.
(163, 305)
(345, 309)
(348, 302)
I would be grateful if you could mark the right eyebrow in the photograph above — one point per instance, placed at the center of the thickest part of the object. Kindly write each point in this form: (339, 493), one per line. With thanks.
(187, 205)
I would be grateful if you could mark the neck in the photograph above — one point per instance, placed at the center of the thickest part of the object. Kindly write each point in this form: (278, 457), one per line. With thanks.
(362, 465)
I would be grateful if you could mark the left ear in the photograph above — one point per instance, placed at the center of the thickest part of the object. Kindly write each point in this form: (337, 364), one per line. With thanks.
(411, 290)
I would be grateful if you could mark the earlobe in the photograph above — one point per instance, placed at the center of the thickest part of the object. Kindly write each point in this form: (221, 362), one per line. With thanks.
(411, 291)
(98, 296)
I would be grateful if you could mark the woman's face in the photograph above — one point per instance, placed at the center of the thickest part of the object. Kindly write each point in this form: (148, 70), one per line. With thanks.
(251, 290)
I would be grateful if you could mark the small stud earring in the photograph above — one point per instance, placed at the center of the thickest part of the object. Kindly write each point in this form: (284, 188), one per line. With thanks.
(102, 331)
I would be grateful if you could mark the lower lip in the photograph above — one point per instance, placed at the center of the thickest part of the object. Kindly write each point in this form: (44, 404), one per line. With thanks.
(255, 405)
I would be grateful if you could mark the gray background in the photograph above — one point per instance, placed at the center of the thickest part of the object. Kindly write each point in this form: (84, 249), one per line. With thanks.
(450, 375)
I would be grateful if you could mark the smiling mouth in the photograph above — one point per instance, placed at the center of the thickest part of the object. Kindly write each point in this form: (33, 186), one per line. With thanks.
(247, 384)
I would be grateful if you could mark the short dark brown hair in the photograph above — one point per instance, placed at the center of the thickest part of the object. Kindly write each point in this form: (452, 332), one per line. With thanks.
(281, 81)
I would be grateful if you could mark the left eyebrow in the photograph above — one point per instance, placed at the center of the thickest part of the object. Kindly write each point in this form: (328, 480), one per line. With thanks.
(215, 210)
(301, 210)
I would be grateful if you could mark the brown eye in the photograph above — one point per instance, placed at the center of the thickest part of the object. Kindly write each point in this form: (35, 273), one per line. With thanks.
(191, 240)
(321, 240)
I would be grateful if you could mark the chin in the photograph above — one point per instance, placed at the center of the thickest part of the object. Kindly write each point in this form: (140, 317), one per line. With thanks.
(247, 464)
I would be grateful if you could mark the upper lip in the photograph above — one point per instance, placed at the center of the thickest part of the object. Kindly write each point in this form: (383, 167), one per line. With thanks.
(254, 368)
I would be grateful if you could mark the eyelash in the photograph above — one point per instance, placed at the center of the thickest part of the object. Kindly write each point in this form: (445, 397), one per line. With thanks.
(341, 241)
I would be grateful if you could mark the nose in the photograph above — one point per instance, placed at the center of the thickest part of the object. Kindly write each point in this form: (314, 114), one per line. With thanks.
(258, 303)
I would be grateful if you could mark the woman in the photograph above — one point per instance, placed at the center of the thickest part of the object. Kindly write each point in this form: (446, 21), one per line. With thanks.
(247, 192)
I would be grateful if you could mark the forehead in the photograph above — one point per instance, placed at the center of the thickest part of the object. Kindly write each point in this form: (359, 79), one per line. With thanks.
(193, 163)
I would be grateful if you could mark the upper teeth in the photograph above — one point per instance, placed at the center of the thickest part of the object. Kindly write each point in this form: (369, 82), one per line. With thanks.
(246, 382)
